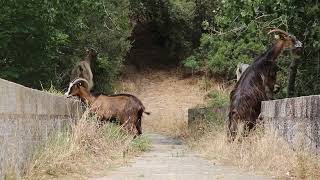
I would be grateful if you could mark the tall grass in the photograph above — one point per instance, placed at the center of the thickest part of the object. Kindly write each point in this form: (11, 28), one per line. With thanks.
(84, 150)
(52, 90)
(264, 150)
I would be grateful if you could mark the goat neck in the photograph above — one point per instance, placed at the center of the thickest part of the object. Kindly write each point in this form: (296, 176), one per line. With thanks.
(88, 58)
(87, 97)
(276, 50)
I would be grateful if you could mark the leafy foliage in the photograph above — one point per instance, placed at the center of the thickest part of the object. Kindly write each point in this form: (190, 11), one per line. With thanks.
(218, 98)
(40, 41)
(236, 32)
(172, 21)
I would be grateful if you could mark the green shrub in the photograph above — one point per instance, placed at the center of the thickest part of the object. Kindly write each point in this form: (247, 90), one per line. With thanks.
(141, 143)
(236, 32)
(218, 98)
(40, 41)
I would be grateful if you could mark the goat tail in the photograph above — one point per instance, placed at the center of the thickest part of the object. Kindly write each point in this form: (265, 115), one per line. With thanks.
(147, 113)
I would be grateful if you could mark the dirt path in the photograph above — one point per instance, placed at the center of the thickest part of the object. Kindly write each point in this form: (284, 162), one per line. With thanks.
(169, 160)
(166, 96)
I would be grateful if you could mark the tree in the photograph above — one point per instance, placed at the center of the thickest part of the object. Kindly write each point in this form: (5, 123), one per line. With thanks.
(41, 40)
(238, 33)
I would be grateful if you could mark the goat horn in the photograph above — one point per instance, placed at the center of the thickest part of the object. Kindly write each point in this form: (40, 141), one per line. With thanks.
(73, 82)
(280, 31)
(79, 79)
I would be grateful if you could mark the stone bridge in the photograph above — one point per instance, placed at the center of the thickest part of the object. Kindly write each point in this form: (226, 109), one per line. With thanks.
(296, 119)
(27, 118)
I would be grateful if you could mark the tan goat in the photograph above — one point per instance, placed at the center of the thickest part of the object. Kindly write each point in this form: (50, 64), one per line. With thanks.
(83, 68)
(127, 108)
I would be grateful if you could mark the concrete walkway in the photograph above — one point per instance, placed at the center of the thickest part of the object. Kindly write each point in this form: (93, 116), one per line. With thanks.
(169, 160)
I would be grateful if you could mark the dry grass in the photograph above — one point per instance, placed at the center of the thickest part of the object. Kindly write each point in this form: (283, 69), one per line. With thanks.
(10, 173)
(83, 151)
(167, 97)
(174, 128)
(52, 90)
(263, 151)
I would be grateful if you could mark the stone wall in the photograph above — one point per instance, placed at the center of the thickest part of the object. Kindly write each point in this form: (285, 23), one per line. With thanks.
(296, 119)
(27, 118)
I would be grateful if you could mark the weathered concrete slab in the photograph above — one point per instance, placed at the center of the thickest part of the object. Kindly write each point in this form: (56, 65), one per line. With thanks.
(296, 119)
(27, 118)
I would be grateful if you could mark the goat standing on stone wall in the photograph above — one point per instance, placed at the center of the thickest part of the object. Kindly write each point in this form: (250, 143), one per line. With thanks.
(241, 67)
(83, 68)
(256, 84)
(126, 107)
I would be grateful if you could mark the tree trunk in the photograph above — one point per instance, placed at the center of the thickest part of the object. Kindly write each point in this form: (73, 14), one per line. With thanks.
(292, 75)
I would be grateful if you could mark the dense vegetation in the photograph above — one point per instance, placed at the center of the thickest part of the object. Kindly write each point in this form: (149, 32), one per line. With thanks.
(41, 40)
(237, 32)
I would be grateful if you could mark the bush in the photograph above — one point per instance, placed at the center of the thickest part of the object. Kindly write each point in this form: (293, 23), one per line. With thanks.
(237, 32)
(40, 41)
(218, 98)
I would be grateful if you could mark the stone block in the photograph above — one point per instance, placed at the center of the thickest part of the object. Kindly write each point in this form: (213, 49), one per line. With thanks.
(27, 118)
(296, 119)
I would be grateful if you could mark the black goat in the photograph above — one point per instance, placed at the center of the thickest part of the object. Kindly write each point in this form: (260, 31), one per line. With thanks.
(256, 84)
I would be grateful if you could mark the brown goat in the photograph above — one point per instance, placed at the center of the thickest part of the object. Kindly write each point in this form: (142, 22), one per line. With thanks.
(135, 102)
(256, 84)
(127, 108)
(83, 68)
